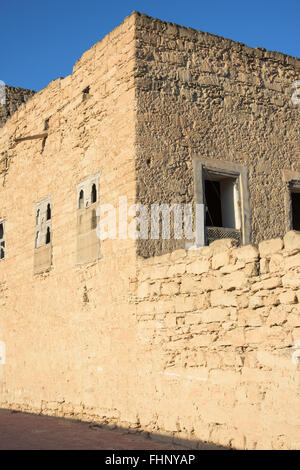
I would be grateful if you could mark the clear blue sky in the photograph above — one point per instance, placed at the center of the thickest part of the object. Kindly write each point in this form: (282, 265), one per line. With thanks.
(40, 41)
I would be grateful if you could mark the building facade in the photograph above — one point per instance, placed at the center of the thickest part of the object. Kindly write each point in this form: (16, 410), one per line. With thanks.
(150, 333)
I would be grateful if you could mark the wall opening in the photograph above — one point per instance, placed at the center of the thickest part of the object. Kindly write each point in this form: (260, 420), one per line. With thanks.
(295, 203)
(81, 200)
(222, 202)
(48, 236)
(85, 93)
(94, 194)
(48, 212)
(2, 240)
(222, 198)
(42, 243)
(88, 243)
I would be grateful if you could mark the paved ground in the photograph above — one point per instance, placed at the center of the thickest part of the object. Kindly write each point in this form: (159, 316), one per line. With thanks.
(29, 432)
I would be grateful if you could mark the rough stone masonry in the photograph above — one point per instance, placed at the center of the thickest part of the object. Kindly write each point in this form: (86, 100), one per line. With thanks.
(185, 342)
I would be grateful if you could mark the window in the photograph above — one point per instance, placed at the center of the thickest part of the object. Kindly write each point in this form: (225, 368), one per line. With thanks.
(2, 240)
(85, 93)
(88, 244)
(295, 205)
(291, 180)
(81, 200)
(43, 229)
(221, 188)
(94, 194)
(48, 211)
(87, 192)
(222, 206)
(48, 236)
(43, 223)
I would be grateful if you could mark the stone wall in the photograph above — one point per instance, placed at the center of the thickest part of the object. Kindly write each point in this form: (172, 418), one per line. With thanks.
(200, 95)
(215, 328)
(65, 329)
(14, 98)
(192, 344)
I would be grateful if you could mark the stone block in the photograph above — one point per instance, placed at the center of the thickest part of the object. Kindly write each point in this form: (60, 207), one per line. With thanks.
(268, 247)
(292, 240)
(220, 259)
(209, 283)
(215, 315)
(221, 298)
(224, 244)
(246, 253)
(288, 298)
(169, 288)
(236, 280)
(198, 267)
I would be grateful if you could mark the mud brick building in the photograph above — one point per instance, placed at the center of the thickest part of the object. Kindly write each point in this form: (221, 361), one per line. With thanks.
(196, 344)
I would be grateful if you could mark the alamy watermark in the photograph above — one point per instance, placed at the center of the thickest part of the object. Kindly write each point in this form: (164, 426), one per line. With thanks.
(2, 92)
(178, 221)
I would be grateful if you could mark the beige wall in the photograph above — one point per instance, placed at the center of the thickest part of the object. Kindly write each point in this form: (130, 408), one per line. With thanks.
(191, 344)
(214, 327)
(200, 95)
(68, 332)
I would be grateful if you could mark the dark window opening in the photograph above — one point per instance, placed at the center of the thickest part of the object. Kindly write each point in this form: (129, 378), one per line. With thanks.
(46, 124)
(2, 241)
(94, 194)
(81, 200)
(85, 93)
(213, 204)
(48, 212)
(48, 236)
(295, 197)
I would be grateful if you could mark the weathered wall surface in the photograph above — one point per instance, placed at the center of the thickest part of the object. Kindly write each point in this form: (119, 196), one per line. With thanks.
(202, 95)
(68, 332)
(215, 326)
(191, 344)
(14, 98)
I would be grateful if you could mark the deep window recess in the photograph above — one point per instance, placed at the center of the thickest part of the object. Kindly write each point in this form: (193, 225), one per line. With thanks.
(48, 211)
(295, 207)
(2, 240)
(81, 200)
(48, 236)
(85, 93)
(43, 233)
(43, 223)
(88, 244)
(94, 194)
(221, 198)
